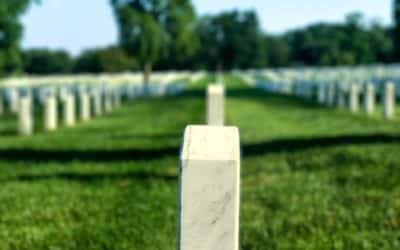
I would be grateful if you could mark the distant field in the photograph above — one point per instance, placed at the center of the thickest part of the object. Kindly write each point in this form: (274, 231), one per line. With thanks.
(312, 178)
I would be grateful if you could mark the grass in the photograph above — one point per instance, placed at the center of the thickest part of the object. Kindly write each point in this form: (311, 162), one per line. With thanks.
(312, 177)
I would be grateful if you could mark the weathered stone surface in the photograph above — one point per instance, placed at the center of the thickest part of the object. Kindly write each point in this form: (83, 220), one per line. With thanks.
(209, 188)
(215, 105)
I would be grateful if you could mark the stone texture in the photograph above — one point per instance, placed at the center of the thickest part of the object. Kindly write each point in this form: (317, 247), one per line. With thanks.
(25, 119)
(209, 188)
(215, 105)
(50, 113)
(389, 100)
(369, 99)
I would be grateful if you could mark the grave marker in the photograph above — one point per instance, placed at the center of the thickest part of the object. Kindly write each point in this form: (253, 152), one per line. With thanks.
(209, 189)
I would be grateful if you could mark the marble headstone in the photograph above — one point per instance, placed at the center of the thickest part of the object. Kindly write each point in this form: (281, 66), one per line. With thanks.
(215, 105)
(209, 189)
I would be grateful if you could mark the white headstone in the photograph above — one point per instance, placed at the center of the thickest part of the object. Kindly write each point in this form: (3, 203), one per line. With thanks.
(97, 102)
(354, 101)
(389, 100)
(215, 105)
(369, 99)
(14, 100)
(25, 119)
(69, 110)
(84, 105)
(209, 189)
(50, 113)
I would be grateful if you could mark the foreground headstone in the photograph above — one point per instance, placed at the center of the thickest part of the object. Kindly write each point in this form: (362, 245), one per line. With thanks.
(369, 99)
(84, 105)
(25, 119)
(50, 113)
(209, 189)
(215, 105)
(389, 101)
(354, 101)
(69, 110)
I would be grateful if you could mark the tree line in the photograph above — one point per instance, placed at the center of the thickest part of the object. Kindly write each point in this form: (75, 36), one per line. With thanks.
(163, 35)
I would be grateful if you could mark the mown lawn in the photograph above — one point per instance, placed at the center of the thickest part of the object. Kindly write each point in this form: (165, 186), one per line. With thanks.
(312, 178)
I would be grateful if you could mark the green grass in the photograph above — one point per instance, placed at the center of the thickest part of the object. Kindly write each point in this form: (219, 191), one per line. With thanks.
(312, 177)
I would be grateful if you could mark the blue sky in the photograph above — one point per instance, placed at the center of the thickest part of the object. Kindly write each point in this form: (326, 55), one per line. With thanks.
(76, 25)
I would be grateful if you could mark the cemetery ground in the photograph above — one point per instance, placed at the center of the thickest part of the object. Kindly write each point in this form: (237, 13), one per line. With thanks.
(312, 177)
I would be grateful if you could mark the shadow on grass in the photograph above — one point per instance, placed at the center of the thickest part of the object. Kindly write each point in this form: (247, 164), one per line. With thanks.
(300, 144)
(93, 177)
(65, 156)
(264, 148)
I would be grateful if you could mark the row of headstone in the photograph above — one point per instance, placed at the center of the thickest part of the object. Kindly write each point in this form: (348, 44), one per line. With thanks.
(78, 102)
(210, 181)
(333, 95)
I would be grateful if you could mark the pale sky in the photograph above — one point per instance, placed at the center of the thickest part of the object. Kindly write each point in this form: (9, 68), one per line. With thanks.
(76, 25)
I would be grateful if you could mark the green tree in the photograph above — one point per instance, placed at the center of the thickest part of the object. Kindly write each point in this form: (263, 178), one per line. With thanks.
(396, 30)
(45, 61)
(10, 34)
(152, 29)
(231, 40)
(109, 60)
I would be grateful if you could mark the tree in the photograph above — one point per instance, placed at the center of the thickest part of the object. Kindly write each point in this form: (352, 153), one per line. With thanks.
(231, 40)
(148, 29)
(109, 60)
(10, 35)
(396, 30)
(45, 61)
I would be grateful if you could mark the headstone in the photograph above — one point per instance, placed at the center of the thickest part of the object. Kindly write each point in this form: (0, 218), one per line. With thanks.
(108, 102)
(389, 101)
(209, 189)
(215, 104)
(369, 99)
(25, 119)
(84, 105)
(69, 110)
(354, 101)
(14, 100)
(50, 113)
(97, 102)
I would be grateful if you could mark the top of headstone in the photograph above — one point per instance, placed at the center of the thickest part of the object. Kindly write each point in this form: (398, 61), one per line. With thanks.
(210, 143)
(216, 88)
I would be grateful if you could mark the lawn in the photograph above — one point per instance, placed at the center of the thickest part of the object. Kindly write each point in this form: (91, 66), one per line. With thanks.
(312, 177)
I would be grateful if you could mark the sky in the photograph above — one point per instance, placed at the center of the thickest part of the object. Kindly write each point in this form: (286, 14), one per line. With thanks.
(76, 25)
